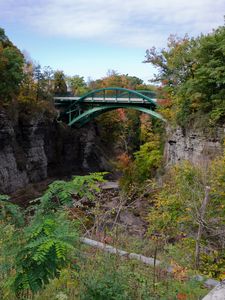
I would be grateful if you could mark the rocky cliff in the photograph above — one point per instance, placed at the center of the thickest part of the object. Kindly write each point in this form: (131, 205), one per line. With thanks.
(33, 148)
(197, 146)
(36, 146)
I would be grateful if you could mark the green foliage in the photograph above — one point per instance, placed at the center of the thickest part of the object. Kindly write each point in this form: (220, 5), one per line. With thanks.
(9, 212)
(10, 240)
(213, 264)
(176, 204)
(175, 216)
(193, 74)
(41, 81)
(147, 160)
(104, 276)
(114, 79)
(120, 129)
(107, 277)
(4, 198)
(77, 85)
(62, 192)
(11, 222)
(145, 164)
(110, 127)
(60, 87)
(107, 284)
(11, 68)
(33, 254)
(50, 238)
(48, 244)
(132, 130)
(37, 86)
(21, 79)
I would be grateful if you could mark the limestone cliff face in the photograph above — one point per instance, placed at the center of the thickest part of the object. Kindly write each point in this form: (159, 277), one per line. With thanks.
(33, 148)
(192, 144)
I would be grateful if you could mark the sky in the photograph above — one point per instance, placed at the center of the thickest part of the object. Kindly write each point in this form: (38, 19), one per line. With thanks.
(90, 37)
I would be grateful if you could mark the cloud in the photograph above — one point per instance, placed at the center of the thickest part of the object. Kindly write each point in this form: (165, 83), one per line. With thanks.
(131, 23)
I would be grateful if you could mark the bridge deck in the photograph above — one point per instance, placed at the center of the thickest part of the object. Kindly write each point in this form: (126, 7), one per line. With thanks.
(62, 100)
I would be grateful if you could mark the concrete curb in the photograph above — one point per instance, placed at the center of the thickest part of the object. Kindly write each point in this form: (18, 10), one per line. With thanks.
(209, 283)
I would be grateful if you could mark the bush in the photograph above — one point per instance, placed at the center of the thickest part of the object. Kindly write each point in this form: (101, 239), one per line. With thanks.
(108, 284)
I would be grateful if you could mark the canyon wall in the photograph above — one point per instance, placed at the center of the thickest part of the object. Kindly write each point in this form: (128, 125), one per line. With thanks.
(197, 146)
(34, 148)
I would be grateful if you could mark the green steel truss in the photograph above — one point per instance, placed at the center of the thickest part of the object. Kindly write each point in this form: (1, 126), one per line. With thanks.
(80, 110)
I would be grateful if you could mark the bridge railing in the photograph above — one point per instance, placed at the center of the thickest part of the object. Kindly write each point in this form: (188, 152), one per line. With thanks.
(108, 95)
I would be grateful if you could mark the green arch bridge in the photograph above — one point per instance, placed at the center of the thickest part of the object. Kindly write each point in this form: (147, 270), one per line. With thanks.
(80, 110)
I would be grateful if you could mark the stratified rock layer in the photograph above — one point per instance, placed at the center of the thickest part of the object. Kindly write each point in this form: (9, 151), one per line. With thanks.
(194, 145)
(35, 147)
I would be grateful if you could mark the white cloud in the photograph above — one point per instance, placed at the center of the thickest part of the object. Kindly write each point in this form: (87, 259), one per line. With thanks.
(138, 23)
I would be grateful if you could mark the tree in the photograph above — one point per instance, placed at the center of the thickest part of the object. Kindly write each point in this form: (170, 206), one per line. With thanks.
(77, 85)
(114, 79)
(193, 73)
(38, 77)
(43, 79)
(11, 68)
(27, 86)
(37, 82)
(60, 87)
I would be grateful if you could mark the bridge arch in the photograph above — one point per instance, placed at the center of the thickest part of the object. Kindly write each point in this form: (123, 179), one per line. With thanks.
(82, 109)
(94, 112)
